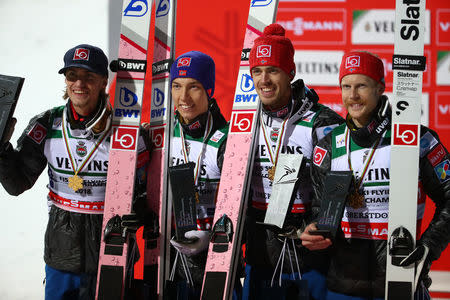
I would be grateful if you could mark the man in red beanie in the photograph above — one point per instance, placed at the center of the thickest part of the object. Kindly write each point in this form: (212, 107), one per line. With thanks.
(292, 121)
(362, 145)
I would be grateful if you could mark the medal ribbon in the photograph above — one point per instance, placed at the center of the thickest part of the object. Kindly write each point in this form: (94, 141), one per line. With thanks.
(273, 156)
(66, 142)
(209, 124)
(366, 167)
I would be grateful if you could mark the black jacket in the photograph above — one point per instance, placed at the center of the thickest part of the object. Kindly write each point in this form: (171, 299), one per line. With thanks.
(263, 245)
(72, 240)
(358, 266)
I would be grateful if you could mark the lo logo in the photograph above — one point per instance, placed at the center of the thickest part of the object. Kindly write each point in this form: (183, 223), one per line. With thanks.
(124, 138)
(406, 134)
(241, 122)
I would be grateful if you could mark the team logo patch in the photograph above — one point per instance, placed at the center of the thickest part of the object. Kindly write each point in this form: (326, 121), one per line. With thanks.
(81, 149)
(340, 140)
(442, 171)
(264, 51)
(81, 54)
(194, 125)
(427, 142)
(283, 112)
(323, 131)
(184, 62)
(436, 155)
(56, 123)
(274, 133)
(371, 126)
(37, 133)
(319, 155)
(352, 62)
(218, 135)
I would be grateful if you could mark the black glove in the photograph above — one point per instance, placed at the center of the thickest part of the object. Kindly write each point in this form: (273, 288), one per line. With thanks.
(419, 257)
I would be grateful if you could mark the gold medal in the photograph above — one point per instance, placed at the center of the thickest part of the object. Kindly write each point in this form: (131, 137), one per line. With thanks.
(271, 173)
(75, 183)
(197, 198)
(356, 200)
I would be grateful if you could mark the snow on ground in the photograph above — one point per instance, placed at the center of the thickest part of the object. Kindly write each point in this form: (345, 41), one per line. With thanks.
(34, 36)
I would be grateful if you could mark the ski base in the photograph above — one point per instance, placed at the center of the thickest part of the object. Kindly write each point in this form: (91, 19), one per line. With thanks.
(110, 285)
(399, 290)
(214, 287)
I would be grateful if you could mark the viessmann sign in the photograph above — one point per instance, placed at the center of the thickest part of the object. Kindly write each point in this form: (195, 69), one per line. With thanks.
(314, 26)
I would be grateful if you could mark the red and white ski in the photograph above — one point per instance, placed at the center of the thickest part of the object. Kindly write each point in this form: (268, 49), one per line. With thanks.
(157, 251)
(223, 252)
(132, 63)
(408, 64)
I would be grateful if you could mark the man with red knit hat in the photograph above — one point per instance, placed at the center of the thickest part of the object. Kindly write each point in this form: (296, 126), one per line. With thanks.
(362, 145)
(291, 121)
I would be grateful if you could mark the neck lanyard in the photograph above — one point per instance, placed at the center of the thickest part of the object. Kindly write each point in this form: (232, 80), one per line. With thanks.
(273, 155)
(199, 158)
(356, 199)
(75, 181)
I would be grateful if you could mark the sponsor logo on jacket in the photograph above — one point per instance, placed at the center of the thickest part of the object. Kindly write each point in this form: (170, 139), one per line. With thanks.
(38, 133)
(319, 155)
(442, 171)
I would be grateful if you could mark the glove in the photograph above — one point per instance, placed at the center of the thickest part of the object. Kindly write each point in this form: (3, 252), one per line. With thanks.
(423, 265)
(291, 232)
(199, 241)
(142, 216)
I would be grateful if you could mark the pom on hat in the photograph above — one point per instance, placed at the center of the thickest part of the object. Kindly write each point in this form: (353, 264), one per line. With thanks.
(197, 65)
(361, 62)
(272, 48)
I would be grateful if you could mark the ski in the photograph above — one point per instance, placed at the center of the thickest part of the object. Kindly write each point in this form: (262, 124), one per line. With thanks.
(408, 65)
(126, 115)
(157, 260)
(224, 249)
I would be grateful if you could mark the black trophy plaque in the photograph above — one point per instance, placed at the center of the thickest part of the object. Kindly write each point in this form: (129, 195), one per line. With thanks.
(335, 190)
(183, 199)
(10, 88)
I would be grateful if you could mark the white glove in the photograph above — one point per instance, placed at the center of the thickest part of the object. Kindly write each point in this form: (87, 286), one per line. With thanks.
(200, 241)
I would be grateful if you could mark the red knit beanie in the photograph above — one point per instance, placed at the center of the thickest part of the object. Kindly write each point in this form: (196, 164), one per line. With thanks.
(360, 62)
(273, 49)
